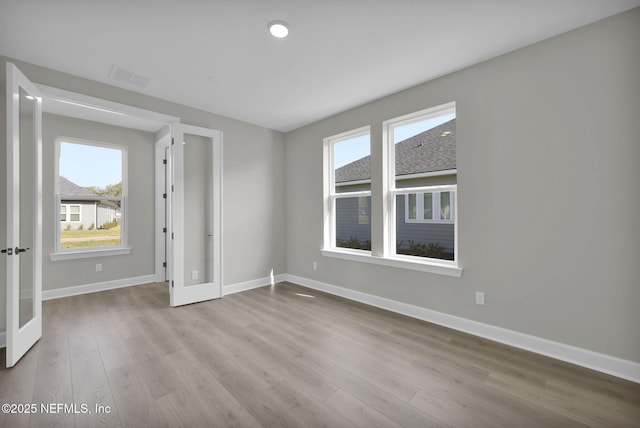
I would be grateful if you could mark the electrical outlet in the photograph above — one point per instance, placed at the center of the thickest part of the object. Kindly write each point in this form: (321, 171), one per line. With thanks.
(315, 265)
(194, 274)
(99, 267)
(479, 298)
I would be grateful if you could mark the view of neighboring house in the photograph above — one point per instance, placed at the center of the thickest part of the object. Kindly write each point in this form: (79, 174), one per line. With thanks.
(88, 210)
(426, 159)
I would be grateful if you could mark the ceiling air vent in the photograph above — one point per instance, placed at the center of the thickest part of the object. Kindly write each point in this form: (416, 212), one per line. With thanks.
(128, 77)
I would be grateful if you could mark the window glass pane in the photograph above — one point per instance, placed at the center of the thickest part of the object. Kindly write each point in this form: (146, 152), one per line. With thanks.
(412, 206)
(97, 169)
(352, 164)
(90, 184)
(424, 151)
(425, 156)
(445, 206)
(428, 206)
(422, 239)
(350, 231)
(74, 212)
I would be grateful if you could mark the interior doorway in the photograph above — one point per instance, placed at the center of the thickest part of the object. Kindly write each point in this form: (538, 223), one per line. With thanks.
(190, 262)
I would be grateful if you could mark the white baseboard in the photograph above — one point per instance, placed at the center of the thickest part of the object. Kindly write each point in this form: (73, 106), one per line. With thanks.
(618, 367)
(250, 285)
(98, 286)
(110, 285)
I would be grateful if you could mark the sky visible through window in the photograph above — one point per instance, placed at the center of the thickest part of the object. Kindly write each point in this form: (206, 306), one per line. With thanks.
(353, 149)
(87, 165)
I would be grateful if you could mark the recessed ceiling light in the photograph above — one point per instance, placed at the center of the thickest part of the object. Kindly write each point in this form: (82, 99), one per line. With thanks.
(278, 29)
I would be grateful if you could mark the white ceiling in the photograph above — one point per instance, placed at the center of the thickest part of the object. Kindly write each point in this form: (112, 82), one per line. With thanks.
(217, 55)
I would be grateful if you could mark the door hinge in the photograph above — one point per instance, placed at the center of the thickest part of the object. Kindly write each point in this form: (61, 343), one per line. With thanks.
(172, 187)
(171, 284)
(164, 161)
(164, 264)
(7, 251)
(164, 196)
(172, 141)
(171, 235)
(164, 230)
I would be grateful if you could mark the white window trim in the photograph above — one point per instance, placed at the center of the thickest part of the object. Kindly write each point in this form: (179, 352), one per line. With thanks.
(390, 191)
(329, 194)
(89, 252)
(441, 267)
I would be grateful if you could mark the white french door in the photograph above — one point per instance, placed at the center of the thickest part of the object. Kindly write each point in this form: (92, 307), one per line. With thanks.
(195, 227)
(23, 252)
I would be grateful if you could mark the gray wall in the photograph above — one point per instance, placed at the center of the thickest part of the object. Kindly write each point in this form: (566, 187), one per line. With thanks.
(253, 172)
(548, 204)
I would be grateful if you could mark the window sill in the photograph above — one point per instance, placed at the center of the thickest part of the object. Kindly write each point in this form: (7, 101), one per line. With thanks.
(87, 254)
(441, 268)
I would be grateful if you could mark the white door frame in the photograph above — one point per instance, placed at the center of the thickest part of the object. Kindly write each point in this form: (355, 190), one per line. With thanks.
(20, 340)
(162, 201)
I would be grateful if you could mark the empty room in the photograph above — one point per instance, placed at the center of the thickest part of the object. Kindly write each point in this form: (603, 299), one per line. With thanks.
(342, 214)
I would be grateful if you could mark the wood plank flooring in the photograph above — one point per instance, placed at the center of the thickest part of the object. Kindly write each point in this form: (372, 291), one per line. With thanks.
(287, 356)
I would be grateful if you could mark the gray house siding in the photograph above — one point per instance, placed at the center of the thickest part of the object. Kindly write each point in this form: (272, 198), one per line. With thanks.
(88, 215)
(422, 233)
(105, 215)
(351, 225)
(353, 219)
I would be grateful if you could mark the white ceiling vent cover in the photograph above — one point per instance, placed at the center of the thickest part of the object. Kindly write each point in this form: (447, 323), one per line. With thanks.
(128, 77)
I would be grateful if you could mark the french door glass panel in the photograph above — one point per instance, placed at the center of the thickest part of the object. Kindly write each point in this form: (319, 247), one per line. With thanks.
(198, 210)
(26, 196)
(24, 215)
(195, 214)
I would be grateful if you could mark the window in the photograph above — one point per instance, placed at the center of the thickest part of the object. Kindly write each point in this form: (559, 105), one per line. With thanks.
(348, 189)
(422, 178)
(74, 213)
(420, 207)
(417, 200)
(90, 196)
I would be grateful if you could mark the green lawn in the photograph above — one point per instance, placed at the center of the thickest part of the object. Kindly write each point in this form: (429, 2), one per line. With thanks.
(90, 238)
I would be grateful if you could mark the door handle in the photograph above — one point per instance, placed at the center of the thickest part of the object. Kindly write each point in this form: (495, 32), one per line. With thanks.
(20, 250)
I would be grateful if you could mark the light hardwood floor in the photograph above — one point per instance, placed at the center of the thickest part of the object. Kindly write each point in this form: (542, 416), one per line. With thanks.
(287, 356)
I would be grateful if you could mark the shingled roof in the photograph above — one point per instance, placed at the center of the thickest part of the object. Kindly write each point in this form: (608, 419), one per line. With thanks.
(69, 188)
(430, 151)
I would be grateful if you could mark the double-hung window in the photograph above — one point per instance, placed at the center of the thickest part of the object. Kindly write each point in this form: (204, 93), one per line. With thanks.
(422, 183)
(348, 180)
(417, 222)
(91, 192)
